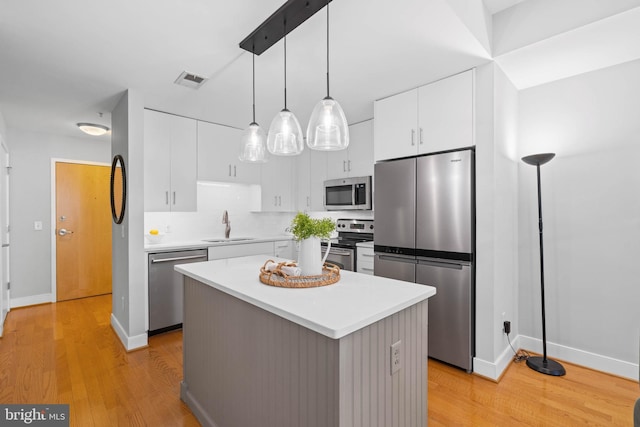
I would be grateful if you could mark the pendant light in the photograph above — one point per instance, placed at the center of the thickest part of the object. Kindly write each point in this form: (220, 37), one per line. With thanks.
(252, 144)
(328, 129)
(285, 134)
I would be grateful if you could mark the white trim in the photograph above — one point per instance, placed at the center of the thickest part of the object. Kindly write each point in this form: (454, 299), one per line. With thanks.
(130, 343)
(598, 362)
(493, 370)
(55, 160)
(30, 300)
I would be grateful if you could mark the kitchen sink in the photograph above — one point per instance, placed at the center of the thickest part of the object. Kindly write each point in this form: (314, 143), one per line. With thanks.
(231, 239)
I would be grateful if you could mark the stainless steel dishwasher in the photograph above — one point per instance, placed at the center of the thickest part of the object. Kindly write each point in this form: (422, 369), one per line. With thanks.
(165, 288)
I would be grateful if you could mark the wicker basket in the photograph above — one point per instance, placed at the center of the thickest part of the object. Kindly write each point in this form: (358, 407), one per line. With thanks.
(330, 275)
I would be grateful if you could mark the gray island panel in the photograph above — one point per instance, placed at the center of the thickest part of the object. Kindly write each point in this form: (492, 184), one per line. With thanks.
(244, 366)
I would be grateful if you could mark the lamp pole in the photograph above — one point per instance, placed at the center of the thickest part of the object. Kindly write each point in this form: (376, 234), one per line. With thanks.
(542, 364)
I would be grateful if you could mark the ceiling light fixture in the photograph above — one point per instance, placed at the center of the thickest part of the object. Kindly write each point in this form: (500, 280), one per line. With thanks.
(328, 129)
(93, 129)
(285, 134)
(252, 144)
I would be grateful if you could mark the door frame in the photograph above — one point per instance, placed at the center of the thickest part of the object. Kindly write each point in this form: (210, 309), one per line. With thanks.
(5, 271)
(54, 254)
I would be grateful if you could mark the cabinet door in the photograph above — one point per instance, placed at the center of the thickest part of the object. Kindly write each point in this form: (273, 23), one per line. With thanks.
(338, 162)
(303, 183)
(360, 161)
(277, 184)
(157, 161)
(215, 148)
(396, 119)
(446, 113)
(183, 164)
(318, 170)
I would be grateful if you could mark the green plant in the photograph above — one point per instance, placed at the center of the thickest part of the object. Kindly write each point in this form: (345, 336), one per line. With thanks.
(303, 227)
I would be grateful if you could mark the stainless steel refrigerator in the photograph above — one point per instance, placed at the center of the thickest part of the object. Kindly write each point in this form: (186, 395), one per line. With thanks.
(425, 233)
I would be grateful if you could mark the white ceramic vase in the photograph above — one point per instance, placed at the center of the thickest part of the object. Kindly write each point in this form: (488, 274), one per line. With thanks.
(310, 258)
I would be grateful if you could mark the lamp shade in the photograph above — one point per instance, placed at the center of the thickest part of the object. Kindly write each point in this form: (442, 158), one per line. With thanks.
(328, 129)
(252, 145)
(285, 135)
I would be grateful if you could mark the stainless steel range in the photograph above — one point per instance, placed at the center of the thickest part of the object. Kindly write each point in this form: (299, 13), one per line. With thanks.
(343, 248)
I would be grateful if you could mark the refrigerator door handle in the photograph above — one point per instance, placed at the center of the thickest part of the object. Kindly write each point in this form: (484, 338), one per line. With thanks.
(397, 259)
(443, 264)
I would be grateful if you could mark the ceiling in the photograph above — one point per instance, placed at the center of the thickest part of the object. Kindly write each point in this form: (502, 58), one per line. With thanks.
(64, 62)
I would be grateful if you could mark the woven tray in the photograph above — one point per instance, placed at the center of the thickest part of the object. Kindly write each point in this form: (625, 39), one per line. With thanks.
(330, 275)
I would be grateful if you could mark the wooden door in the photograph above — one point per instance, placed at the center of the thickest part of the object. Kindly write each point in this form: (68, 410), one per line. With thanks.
(83, 231)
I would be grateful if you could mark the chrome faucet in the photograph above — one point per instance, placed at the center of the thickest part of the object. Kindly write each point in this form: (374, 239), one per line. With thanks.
(227, 228)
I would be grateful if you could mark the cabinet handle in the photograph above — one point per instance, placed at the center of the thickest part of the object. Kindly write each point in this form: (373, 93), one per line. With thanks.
(279, 201)
(229, 169)
(166, 197)
(421, 140)
(174, 198)
(234, 170)
(275, 200)
(349, 164)
(367, 255)
(308, 202)
(413, 137)
(344, 166)
(366, 269)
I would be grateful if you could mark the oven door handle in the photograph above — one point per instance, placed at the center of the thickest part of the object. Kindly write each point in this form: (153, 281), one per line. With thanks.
(333, 251)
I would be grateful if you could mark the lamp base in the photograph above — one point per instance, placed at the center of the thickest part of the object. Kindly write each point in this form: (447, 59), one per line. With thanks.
(548, 366)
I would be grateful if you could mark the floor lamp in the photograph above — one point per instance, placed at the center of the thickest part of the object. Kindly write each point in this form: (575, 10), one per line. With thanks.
(542, 364)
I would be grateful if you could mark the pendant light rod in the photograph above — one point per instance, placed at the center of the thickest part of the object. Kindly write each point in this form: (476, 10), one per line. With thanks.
(327, 49)
(285, 69)
(294, 12)
(253, 57)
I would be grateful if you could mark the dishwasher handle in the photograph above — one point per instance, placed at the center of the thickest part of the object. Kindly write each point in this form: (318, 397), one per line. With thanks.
(182, 258)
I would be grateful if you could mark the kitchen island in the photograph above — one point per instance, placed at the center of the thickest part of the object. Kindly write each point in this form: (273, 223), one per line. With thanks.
(257, 355)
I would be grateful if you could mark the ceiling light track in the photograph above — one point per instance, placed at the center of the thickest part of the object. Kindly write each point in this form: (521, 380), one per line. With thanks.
(272, 30)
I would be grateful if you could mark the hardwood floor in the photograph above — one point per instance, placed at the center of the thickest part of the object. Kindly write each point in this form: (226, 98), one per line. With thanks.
(68, 353)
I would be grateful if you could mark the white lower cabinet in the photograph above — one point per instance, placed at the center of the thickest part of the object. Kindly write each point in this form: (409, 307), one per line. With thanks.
(364, 262)
(285, 249)
(245, 249)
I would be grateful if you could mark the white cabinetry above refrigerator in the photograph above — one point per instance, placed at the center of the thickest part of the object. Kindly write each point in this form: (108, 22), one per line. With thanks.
(435, 117)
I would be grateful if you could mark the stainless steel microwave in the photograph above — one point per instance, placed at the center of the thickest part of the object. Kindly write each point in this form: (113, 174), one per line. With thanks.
(347, 194)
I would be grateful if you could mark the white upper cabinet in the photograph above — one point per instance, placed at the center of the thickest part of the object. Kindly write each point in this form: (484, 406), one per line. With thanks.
(218, 156)
(169, 163)
(446, 113)
(434, 117)
(277, 184)
(357, 159)
(395, 126)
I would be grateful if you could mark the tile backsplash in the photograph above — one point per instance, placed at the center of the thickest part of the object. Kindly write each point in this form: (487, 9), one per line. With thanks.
(241, 202)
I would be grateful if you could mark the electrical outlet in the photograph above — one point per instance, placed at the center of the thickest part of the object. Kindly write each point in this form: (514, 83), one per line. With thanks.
(507, 327)
(396, 357)
(37, 225)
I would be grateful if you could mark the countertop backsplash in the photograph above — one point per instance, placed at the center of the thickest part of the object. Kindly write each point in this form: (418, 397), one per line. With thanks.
(242, 203)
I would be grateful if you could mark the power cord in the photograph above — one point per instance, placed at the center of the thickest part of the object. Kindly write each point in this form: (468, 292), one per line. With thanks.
(520, 355)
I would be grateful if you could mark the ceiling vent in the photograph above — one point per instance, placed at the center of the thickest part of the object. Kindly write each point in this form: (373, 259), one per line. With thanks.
(190, 80)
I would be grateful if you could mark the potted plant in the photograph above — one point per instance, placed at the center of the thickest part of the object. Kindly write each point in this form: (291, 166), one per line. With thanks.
(308, 232)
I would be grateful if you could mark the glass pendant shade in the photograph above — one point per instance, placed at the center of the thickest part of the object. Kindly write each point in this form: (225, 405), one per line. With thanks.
(285, 135)
(252, 145)
(328, 129)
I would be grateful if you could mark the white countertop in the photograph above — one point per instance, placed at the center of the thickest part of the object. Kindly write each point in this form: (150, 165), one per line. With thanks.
(335, 311)
(170, 245)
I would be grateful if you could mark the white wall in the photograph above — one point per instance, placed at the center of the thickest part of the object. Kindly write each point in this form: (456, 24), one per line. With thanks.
(591, 211)
(496, 217)
(30, 194)
(129, 291)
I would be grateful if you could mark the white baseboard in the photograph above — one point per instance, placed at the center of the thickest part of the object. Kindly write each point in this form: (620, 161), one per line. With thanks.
(493, 370)
(598, 362)
(129, 343)
(32, 300)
